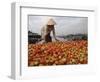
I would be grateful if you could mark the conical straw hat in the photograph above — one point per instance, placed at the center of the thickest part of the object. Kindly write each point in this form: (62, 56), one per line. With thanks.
(51, 22)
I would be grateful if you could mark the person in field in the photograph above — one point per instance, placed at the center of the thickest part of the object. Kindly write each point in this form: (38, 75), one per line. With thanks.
(47, 29)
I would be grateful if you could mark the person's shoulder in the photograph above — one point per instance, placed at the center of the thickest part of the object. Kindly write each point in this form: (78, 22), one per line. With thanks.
(44, 27)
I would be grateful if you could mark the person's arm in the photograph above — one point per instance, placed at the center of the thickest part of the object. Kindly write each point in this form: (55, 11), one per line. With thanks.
(42, 33)
(54, 35)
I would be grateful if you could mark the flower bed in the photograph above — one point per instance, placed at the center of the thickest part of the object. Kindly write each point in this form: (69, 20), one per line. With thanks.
(58, 53)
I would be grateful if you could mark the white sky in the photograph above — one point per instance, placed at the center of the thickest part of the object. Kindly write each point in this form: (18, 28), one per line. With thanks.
(65, 25)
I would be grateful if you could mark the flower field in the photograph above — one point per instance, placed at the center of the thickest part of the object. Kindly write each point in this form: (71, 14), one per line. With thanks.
(58, 53)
